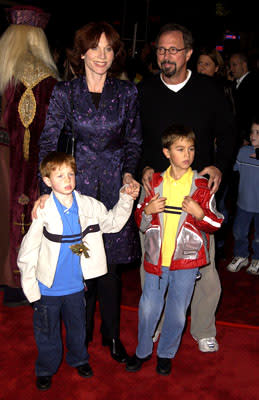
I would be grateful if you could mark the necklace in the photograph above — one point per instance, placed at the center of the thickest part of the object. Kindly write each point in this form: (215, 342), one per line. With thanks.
(77, 248)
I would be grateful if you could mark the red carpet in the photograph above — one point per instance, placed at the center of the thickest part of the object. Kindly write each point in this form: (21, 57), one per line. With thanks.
(231, 374)
(239, 302)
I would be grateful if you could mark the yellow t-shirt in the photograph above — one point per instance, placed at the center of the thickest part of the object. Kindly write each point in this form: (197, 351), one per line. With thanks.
(174, 191)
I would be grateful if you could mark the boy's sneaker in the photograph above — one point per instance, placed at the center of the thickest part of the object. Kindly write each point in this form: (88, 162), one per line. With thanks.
(253, 267)
(237, 263)
(208, 345)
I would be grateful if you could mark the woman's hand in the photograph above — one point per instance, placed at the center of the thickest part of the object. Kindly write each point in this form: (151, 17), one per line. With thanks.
(39, 203)
(128, 178)
(133, 186)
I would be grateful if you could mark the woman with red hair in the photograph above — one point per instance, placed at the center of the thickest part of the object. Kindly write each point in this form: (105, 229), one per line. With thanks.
(104, 114)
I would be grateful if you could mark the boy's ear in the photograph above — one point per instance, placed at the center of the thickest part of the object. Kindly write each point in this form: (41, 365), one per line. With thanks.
(47, 181)
(166, 152)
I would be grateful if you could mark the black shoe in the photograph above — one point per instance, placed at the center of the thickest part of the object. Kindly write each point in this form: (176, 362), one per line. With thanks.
(164, 366)
(43, 382)
(117, 349)
(85, 370)
(16, 303)
(134, 364)
(14, 297)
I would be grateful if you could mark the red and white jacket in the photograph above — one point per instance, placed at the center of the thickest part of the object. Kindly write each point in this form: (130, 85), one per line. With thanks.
(192, 238)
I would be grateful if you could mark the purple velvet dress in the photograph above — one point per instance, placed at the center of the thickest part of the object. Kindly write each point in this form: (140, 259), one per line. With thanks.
(108, 144)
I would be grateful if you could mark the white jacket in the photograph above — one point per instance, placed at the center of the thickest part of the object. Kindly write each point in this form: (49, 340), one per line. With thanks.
(38, 256)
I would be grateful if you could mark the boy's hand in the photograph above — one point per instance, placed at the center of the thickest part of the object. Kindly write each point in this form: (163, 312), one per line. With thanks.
(132, 189)
(156, 205)
(192, 207)
(39, 203)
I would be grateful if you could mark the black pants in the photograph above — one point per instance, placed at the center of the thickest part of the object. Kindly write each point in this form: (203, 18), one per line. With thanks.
(107, 289)
(47, 323)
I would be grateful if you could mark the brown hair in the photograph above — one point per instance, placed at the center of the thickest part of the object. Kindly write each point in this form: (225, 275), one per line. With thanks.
(88, 37)
(54, 160)
(175, 132)
(215, 56)
(172, 27)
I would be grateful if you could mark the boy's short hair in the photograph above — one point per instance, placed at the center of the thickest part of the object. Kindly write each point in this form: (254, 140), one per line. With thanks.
(175, 132)
(54, 160)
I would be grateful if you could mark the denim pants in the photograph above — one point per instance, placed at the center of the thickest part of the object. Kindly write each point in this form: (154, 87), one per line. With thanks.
(48, 312)
(241, 228)
(179, 285)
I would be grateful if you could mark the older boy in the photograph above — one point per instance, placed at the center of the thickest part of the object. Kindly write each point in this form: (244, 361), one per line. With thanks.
(247, 205)
(174, 219)
(63, 247)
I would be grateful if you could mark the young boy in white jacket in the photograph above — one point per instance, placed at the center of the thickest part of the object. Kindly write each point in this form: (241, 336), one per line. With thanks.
(62, 248)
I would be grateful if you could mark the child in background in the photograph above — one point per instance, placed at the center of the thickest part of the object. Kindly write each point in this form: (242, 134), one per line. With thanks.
(63, 247)
(174, 219)
(247, 205)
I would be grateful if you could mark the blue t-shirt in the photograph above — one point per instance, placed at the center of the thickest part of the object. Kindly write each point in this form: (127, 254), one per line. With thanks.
(248, 190)
(68, 276)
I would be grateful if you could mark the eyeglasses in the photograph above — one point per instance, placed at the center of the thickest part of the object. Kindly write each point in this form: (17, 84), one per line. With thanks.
(172, 50)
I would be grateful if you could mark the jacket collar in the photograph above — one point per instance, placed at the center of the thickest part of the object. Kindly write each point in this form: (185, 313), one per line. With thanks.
(107, 94)
(158, 178)
(197, 181)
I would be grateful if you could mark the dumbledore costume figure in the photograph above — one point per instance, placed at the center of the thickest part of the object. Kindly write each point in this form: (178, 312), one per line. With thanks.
(27, 76)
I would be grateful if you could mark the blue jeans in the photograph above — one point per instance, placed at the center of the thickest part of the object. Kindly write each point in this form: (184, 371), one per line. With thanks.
(241, 229)
(179, 285)
(47, 330)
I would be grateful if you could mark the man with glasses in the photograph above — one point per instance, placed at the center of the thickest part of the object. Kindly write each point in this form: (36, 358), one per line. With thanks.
(178, 96)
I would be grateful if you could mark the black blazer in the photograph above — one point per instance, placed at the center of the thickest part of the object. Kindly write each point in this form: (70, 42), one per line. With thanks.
(246, 98)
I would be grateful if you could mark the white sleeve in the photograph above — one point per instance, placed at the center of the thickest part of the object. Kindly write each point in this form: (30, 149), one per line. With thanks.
(112, 221)
(28, 259)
